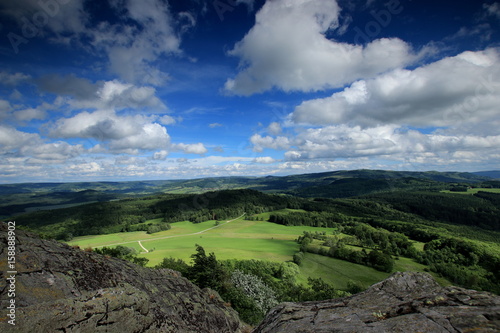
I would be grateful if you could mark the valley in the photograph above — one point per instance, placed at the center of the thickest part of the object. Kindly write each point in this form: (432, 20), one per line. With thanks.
(358, 228)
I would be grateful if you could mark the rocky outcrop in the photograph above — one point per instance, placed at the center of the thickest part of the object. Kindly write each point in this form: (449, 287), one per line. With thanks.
(405, 302)
(62, 289)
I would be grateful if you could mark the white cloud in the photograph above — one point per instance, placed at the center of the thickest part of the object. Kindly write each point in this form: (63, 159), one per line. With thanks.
(150, 137)
(264, 160)
(57, 152)
(126, 134)
(5, 108)
(387, 141)
(84, 169)
(29, 114)
(141, 32)
(167, 120)
(80, 88)
(492, 9)
(287, 49)
(160, 155)
(100, 125)
(115, 94)
(214, 125)
(260, 143)
(274, 128)
(448, 92)
(12, 80)
(195, 148)
(29, 147)
(343, 141)
(12, 139)
(145, 33)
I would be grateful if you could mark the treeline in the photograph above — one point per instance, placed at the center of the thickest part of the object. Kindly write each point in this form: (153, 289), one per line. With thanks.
(391, 242)
(460, 261)
(251, 287)
(122, 252)
(463, 262)
(130, 214)
(481, 210)
(335, 247)
(223, 205)
(149, 228)
(313, 219)
(361, 185)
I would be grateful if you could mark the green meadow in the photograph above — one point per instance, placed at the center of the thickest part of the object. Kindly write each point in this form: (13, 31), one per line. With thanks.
(474, 191)
(243, 239)
(239, 239)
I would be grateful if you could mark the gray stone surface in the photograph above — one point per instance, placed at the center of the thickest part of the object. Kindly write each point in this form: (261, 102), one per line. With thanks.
(404, 302)
(62, 289)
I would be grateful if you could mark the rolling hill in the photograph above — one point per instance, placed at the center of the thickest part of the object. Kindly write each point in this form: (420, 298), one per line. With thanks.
(21, 198)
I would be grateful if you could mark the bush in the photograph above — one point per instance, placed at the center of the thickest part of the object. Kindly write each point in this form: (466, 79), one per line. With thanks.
(298, 257)
(355, 287)
(178, 265)
(263, 296)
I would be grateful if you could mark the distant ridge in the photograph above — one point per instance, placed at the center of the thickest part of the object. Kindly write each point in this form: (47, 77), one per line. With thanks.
(493, 174)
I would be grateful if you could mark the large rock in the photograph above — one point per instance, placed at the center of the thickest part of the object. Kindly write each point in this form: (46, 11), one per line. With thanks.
(62, 289)
(404, 302)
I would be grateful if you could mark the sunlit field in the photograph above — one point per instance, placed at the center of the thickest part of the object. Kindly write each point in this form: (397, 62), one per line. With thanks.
(243, 239)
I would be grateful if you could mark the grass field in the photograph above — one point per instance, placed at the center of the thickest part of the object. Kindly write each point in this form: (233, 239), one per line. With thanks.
(338, 272)
(474, 191)
(239, 239)
(242, 239)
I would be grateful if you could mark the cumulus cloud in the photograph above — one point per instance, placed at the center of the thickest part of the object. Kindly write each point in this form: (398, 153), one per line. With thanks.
(31, 148)
(160, 155)
(115, 94)
(260, 143)
(264, 160)
(287, 49)
(274, 128)
(389, 141)
(12, 139)
(100, 125)
(132, 41)
(5, 108)
(128, 134)
(71, 85)
(13, 79)
(167, 120)
(196, 148)
(57, 152)
(30, 114)
(146, 32)
(149, 137)
(450, 91)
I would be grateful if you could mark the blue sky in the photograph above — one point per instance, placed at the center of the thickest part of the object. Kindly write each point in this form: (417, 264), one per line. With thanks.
(127, 90)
